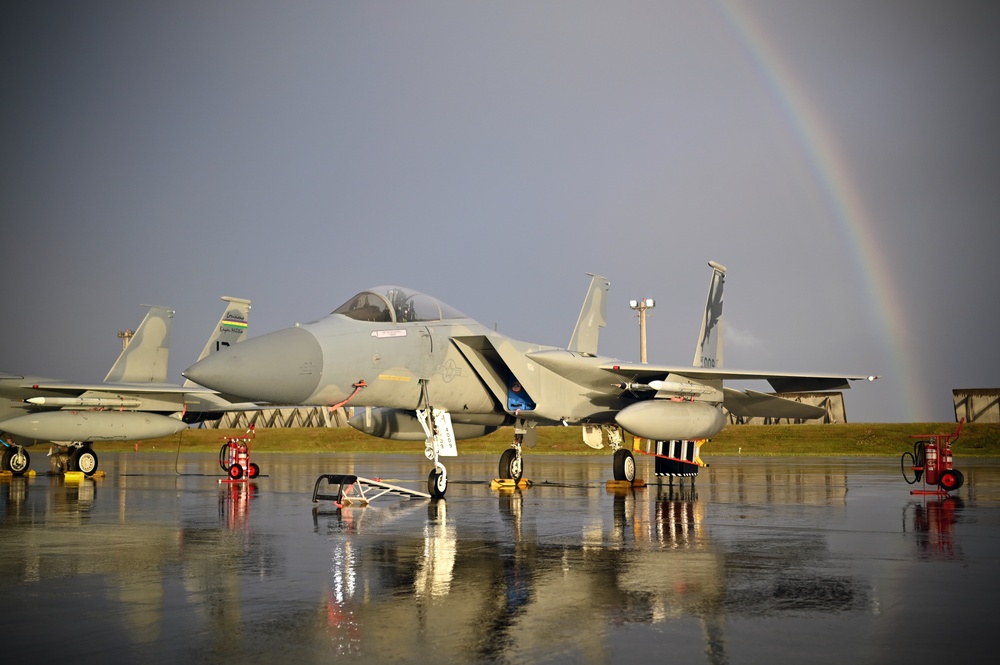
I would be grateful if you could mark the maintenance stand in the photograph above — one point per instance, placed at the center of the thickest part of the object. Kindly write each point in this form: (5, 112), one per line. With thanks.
(347, 483)
(677, 459)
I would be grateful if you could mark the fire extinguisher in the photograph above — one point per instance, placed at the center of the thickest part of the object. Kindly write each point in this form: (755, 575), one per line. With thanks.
(947, 460)
(931, 462)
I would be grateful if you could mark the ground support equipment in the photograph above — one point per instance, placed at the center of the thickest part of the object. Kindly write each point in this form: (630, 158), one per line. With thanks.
(932, 463)
(234, 458)
(676, 458)
(349, 486)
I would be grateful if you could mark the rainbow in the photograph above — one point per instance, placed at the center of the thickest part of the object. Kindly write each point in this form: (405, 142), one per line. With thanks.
(832, 170)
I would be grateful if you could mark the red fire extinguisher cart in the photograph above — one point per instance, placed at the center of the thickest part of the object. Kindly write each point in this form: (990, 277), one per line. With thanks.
(234, 458)
(931, 461)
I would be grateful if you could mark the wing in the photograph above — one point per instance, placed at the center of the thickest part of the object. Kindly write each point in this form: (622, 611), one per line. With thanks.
(782, 382)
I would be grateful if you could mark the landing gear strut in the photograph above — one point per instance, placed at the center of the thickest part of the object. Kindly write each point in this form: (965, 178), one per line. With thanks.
(440, 442)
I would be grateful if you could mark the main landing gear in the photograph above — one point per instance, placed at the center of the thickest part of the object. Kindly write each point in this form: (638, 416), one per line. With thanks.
(83, 459)
(623, 463)
(511, 461)
(76, 457)
(15, 459)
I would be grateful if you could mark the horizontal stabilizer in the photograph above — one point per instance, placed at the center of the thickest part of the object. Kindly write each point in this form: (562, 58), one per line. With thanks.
(752, 404)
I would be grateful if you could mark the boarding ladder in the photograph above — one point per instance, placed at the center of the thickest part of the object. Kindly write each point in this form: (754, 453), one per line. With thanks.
(347, 484)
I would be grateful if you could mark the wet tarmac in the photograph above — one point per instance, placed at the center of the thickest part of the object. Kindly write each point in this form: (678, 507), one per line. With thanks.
(818, 560)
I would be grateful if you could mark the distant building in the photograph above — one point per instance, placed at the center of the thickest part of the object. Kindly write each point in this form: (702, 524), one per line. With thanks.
(977, 405)
(286, 416)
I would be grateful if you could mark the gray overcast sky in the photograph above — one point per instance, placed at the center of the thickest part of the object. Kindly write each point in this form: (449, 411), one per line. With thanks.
(840, 158)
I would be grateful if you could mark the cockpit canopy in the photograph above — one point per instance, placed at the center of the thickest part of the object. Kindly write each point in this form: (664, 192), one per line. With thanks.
(395, 304)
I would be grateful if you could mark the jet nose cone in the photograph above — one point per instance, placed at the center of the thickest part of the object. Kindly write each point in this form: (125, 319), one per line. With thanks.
(282, 367)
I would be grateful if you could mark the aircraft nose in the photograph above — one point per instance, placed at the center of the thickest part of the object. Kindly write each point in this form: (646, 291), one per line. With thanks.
(282, 367)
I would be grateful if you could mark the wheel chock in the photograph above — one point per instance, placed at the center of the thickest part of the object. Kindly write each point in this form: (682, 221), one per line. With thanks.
(509, 484)
(73, 476)
(625, 484)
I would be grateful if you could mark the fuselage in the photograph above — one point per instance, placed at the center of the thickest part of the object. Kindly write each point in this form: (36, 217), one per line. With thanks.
(369, 353)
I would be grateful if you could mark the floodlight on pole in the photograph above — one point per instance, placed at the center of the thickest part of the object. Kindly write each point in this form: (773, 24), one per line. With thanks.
(642, 305)
(125, 336)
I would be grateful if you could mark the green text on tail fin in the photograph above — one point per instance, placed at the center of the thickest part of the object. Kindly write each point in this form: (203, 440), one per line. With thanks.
(231, 329)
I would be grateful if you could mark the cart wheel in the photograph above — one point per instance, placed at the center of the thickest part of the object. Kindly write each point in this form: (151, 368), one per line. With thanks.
(253, 470)
(236, 472)
(950, 480)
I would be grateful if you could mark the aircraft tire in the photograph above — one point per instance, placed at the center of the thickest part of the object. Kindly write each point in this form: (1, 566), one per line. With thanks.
(511, 468)
(624, 465)
(16, 460)
(437, 484)
(85, 460)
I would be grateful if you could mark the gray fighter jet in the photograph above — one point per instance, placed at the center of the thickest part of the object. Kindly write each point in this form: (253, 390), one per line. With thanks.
(425, 371)
(133, 402)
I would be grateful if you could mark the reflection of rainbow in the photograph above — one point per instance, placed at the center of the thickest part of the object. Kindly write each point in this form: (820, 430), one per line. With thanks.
(832, 171)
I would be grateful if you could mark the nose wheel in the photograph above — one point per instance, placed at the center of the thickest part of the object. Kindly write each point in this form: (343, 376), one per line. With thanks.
(437, 482)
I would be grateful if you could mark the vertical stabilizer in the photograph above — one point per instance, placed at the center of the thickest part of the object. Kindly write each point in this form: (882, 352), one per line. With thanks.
(708, 353)
(144, 359)
(593, 317)
(231, 329)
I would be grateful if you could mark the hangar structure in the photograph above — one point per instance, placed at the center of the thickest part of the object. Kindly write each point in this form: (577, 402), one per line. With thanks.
(977, 404)
(282, 416)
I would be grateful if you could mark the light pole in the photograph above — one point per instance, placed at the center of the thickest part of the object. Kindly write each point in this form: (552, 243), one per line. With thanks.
(642, 306)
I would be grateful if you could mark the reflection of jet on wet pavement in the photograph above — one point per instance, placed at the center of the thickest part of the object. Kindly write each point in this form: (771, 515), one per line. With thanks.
(654, 560)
